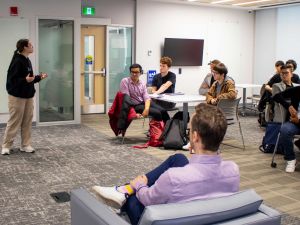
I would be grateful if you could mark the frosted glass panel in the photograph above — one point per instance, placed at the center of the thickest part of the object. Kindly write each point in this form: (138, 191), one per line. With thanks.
(56, 44)
(120, 57)
(12, 29)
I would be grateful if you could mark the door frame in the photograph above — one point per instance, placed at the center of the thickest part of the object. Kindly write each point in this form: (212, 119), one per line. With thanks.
(97, 22)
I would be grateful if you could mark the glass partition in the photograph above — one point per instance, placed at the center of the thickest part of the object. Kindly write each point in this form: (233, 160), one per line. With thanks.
(120, 57)
(56, 53)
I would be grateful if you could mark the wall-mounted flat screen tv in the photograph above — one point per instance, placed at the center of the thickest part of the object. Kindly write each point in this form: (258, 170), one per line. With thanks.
(184, 52)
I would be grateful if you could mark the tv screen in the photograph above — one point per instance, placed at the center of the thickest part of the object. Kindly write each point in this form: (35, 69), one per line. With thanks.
(184, 52)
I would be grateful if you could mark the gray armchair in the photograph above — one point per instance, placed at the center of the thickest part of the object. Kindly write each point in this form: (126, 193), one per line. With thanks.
(244, 207)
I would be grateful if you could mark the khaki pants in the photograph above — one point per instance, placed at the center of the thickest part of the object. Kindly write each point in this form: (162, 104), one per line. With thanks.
(20, 115)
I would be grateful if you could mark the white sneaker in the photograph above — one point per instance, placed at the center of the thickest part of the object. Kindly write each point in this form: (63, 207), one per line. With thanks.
(187, 146)
(28, 149)
(111, 196)
(5, 151)
(290, 166)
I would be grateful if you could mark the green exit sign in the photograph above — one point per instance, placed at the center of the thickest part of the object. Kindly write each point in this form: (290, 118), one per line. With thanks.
(88, 11)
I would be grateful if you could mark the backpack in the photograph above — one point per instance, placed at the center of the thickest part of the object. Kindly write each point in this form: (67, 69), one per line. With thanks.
(267, 115)
(265, 97)
(156, 129)
(174, 135)
(270, 138)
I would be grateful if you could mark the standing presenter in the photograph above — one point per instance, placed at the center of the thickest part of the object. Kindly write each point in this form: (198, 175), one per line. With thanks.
(20, 89)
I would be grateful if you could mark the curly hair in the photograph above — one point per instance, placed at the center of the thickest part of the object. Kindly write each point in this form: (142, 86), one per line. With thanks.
(166, 60)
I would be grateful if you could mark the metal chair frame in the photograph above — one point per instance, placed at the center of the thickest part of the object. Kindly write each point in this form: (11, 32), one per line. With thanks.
(149, 117)
(230, 110)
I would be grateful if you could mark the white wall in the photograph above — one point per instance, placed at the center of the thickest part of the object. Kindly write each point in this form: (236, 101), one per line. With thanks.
(276, 38)
(120, 11)
(265, 45)
(228, 36)
(288, 34)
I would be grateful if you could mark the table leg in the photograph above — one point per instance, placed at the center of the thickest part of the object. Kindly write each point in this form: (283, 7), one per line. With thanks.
(244, 102)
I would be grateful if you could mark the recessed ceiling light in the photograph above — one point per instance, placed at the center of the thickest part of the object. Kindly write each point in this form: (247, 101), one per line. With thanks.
(251, 2)
(221, 1)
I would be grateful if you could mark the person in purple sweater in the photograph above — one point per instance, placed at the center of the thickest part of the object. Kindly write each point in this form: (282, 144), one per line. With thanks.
(178, 179)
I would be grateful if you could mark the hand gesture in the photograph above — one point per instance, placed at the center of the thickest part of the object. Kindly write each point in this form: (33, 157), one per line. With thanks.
(294, 119)
(293, 111)
(213, 101)
(138, 115)
(139, 180)
(29, 78)
(43, 75)
(145, 113)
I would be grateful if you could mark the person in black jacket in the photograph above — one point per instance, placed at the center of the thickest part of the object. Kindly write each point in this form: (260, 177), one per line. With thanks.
(20, 89)
(291, 127)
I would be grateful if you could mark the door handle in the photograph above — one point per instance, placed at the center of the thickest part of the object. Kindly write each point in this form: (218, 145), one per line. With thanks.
(102, 71)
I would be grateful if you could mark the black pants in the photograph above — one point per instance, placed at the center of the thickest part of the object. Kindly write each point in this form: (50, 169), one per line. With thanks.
(156, 111)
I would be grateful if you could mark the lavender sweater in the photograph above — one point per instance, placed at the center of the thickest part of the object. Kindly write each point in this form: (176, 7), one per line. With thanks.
(204, 177)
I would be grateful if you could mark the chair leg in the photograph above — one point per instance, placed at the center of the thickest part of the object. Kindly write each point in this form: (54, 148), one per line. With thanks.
(242, 135)
(273, 163)
(123, 136)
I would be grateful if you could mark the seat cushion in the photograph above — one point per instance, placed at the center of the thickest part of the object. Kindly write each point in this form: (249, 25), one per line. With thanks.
(203, 211)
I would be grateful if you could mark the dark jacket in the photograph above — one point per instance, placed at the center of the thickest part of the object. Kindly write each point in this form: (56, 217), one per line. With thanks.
(121, 114)
(16, 84)
(291, 93)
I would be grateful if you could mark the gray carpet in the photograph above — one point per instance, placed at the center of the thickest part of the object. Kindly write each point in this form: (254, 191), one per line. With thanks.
(67, 157)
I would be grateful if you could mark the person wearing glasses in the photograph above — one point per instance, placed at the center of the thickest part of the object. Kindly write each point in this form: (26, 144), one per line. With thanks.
(222, 88)
(139, 98)
(292, 126)
(286, 83)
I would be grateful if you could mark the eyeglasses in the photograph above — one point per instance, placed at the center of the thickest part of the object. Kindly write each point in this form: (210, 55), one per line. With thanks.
(215, 72)
(135, 72)
(284, 73)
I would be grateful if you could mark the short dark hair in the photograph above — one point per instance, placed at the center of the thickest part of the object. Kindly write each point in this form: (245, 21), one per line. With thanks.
(279, 63)
(211, 125)
(287, 66)
(135, 65)
(293, 62)
(221, 69)
(166, 60)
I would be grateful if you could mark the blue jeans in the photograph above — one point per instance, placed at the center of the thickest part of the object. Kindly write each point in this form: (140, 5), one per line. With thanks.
(133, 207)
(287, 131)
